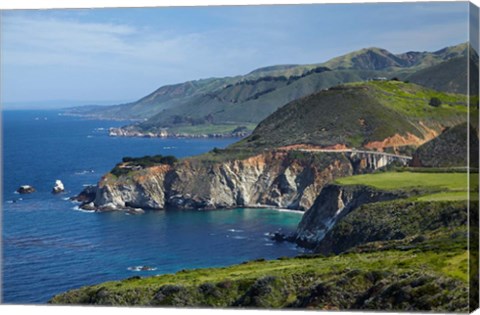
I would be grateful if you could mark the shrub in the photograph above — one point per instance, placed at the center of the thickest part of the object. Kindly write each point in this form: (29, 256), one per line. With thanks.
(143, 162)
(435, 102)
(254, 138)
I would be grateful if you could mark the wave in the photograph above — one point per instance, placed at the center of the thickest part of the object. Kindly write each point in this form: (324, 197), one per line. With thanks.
(235, 231)
(239, 237)
(77, 208)
(290, 210)
(84, 172)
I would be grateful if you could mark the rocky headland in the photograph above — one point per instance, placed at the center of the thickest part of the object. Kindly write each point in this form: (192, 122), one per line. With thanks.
(272, 179)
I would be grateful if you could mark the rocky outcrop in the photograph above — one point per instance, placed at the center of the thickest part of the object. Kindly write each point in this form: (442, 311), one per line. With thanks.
(275, 178)
(401, 224)
(333, 203)
(58, 188)
(25, 189)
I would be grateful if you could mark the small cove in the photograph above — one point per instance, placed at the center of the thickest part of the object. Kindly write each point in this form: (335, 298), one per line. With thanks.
(49, 247)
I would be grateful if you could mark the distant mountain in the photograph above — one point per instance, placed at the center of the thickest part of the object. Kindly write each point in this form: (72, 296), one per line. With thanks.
(449, 76)
(242, 101)
(373, 115)
(381, 59)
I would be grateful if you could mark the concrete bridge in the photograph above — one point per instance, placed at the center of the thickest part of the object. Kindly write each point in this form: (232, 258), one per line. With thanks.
(368, 159)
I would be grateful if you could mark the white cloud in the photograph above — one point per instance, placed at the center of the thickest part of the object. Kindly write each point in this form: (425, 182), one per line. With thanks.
(44, 54)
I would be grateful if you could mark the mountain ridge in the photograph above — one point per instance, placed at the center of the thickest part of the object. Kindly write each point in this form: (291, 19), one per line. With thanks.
(189, 98)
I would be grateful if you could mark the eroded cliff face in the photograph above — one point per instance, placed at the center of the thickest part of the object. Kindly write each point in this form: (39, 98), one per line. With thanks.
(333, 203)
(275, 178)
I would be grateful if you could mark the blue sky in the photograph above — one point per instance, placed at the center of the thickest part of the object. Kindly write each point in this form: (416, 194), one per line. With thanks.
(115, 55)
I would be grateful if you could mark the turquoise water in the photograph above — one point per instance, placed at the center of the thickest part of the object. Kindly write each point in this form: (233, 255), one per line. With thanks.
(49, 247)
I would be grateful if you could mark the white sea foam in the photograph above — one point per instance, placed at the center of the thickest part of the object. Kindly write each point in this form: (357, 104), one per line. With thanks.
(235, 231)
(77, 208)
(268, 244)
(290, 210)
(262, 206)
(84, 172)
(239, 237)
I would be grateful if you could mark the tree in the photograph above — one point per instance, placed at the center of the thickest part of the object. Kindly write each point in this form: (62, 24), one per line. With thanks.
(435, 102)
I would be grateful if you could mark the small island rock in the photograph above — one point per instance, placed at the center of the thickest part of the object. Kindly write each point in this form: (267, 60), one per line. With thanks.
(58, 188)
(25, 189)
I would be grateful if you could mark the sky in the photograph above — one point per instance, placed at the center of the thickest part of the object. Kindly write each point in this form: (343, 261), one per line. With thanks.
(56, 58)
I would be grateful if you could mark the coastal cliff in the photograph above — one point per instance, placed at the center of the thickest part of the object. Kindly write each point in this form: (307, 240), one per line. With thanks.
(334, 203)
(274, 178)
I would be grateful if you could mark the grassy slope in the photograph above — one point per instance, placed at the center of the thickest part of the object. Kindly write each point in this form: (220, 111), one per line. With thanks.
(409, 180)
(357, 113)
(429, 186)
(409, 255)
(434, 279)
(244, 103)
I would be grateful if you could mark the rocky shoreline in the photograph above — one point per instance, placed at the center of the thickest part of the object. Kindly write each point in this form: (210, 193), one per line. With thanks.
(292, 180)
(164, 133)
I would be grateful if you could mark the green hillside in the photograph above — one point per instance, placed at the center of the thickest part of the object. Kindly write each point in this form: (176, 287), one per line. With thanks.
(381, 59)
(250, 101)
(449, 149)
(449, 76)
(249, 98)
(358, 113)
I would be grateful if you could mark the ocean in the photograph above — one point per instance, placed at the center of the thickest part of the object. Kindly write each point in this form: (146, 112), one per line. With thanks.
(49, 246)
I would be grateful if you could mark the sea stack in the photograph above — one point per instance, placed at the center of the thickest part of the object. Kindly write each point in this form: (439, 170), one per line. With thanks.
(58, 188)
(25, 189)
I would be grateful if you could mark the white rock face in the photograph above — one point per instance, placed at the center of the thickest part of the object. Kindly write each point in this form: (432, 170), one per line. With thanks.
(270, 179)
(59, 187)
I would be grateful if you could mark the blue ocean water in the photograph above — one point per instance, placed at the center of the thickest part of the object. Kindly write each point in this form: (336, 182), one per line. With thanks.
(49, 247)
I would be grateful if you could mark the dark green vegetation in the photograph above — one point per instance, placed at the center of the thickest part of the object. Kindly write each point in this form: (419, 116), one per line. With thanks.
(394, 220)
(356, 114)
(449, 149)
(450, 76)
(129, 164)
(246, 100)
